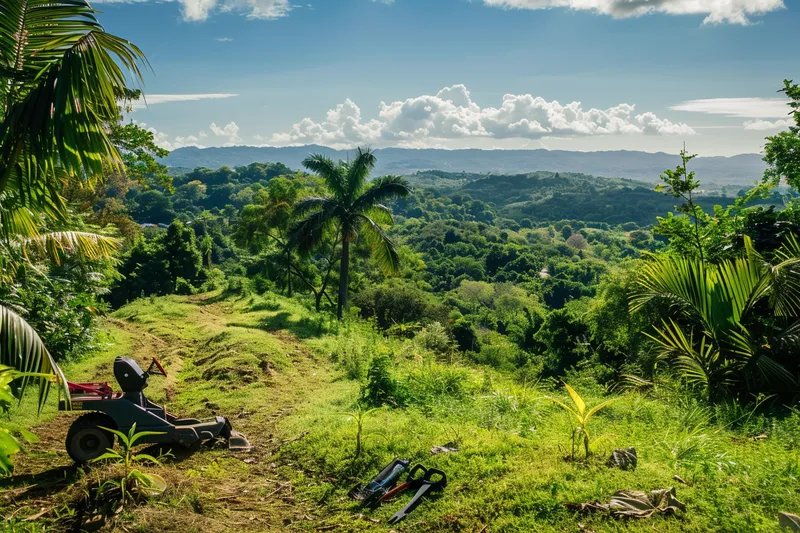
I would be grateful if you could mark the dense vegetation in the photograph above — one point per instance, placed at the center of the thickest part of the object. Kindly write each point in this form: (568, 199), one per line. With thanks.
(454, 302)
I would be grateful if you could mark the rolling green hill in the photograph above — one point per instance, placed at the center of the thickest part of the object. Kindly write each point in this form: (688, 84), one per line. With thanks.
(552, 196)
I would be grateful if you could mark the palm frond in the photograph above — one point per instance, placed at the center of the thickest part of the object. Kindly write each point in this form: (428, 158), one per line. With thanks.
(382, 190)
(789, 250)
(773, 372)
(383, 249)
(674, 345)
(18, 221)
(680, 281)
(53, 246)
(307, 234)
(358, 171)
(742, 285)
(380, 214)
(310, 204)
(68, 75)
(784, 289)
(21, 348)
(330, 172)
(789, 338)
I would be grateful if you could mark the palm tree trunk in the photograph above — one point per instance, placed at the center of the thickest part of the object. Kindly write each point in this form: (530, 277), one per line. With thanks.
(344, 272)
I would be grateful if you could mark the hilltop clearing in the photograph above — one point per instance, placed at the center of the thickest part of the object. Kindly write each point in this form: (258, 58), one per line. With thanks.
(288, 378)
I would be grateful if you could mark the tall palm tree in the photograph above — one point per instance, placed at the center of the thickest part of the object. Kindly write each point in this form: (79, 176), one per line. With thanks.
(355, 206)
(60, 77)
(731, 327)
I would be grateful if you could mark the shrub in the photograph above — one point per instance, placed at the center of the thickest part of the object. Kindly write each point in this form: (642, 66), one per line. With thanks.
(563, 338)
(183, 287)
(435, 338)
(435, 381)
(381, 387)
(262, 283)
(215, 279)
(239, 286)
(62, 311)
(395, 302)
(465, 336)
(578, 241)
(153, 265)
(354, 348)
(500, 354)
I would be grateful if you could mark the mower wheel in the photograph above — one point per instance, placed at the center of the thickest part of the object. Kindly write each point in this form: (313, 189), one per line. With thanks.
(85, 438)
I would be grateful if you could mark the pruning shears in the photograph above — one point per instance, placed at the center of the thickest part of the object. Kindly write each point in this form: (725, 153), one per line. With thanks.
(430, 480)
(414, 480)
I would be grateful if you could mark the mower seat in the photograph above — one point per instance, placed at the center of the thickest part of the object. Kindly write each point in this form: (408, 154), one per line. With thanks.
(129, 374)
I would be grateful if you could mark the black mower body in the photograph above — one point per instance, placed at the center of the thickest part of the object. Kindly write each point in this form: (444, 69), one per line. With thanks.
(127, 409)
(87, 437)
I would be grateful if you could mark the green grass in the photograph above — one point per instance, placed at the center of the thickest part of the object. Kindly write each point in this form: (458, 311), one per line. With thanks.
(287, 376)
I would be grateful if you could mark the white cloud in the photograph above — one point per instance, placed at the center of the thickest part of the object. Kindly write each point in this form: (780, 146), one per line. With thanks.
(199, 10)
(761, 125)
(715, 11)
(737, 107)
(223, 39)
(229, 132)
(227, 135)
(452, 114)
(153, 99)
(163, 140)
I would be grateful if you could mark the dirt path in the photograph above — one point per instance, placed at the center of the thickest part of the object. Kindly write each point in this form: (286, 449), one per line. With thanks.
(258, 378)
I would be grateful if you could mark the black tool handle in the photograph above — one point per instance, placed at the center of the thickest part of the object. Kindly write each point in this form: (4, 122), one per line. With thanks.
(432, 473)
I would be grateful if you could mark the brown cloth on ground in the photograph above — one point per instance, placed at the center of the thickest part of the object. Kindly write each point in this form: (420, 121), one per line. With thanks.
(635, 504)
(624, 459)
(789, 521)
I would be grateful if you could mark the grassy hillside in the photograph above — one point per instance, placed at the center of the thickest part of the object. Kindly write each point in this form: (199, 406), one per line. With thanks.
(288, 378)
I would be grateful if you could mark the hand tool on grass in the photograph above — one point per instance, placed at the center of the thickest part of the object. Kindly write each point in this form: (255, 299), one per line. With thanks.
(381, 483)
(413, 481)
(432, 481)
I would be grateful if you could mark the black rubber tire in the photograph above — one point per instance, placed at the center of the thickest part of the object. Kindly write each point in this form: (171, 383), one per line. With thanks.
(85, 439)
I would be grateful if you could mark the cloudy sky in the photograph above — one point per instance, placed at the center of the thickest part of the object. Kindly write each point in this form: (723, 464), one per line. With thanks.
(557, 74)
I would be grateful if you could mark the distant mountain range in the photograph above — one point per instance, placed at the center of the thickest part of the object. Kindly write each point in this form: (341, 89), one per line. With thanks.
(737, 170)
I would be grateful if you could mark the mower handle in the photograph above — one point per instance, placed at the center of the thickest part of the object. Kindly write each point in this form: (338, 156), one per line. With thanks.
(160, 368)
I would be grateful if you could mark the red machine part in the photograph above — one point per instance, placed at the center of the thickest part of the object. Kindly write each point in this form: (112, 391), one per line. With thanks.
(96, 389)
(160, 368)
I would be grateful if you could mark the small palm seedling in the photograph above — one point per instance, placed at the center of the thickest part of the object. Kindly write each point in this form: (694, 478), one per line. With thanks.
(581, 414)
(133, 483)
(359, 416)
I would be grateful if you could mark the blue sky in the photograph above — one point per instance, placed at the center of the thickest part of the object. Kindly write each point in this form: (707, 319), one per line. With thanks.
(459, 73)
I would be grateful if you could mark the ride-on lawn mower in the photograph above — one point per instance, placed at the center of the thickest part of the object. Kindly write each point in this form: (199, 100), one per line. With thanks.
(87, 440)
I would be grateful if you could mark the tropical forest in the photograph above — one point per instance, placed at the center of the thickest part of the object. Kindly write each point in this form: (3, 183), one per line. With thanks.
(325, 339)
